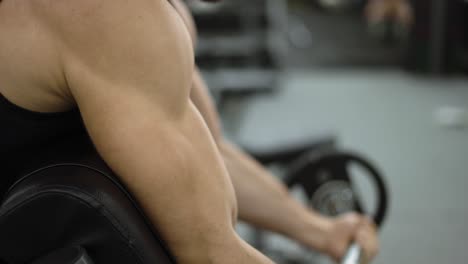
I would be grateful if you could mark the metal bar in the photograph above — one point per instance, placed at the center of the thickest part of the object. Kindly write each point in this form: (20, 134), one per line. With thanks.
(353, 255)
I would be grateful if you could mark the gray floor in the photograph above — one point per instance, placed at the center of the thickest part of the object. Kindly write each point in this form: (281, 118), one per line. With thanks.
(389, 116)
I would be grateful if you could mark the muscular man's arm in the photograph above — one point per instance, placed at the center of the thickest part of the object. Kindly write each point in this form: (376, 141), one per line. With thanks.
(262, 199)
(202, 99)
(128, 65)
(265, 202)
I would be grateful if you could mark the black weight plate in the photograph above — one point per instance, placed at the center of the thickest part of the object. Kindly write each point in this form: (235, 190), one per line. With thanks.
(307, 173)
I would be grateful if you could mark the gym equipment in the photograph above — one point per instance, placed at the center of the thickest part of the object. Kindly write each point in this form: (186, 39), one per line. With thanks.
(438, 42)
(73, 255)
(238, 34)
(240, 46)
(74, 211)
(326, 180)
(323, 172)
(288, 151)
(389, 31)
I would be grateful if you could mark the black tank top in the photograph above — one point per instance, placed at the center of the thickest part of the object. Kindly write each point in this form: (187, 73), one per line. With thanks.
(30, 140)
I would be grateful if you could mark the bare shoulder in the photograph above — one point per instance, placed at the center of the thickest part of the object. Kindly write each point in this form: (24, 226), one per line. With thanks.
(76, 47)
(78, 17)
(135, 43)
(90, 8)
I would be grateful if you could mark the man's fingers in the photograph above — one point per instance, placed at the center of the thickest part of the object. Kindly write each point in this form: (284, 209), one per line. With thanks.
(342, 235)
(352, 221)
(340, 251)
(351, 228)
(366, 237)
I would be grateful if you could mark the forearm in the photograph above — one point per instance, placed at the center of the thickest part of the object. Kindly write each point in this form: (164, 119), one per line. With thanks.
(265, 202)
(262, 200)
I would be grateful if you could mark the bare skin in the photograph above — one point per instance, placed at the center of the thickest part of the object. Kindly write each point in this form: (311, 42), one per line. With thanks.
(399, 10)
(91, 54)
(264, 201)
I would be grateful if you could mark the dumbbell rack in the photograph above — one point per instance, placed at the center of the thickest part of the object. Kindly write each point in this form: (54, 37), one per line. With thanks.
(240, 47)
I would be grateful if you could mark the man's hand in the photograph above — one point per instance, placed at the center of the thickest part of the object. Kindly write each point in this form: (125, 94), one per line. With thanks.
(346, 229)
(265, 202)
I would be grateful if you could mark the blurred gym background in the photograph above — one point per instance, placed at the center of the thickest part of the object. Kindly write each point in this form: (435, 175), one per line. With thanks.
(386, 78)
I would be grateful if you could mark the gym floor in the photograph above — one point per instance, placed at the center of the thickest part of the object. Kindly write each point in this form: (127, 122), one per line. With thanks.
(389, 116)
